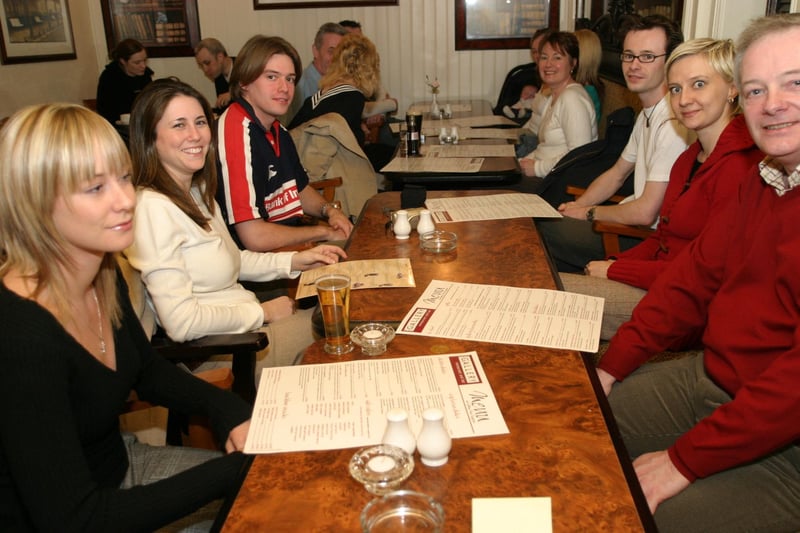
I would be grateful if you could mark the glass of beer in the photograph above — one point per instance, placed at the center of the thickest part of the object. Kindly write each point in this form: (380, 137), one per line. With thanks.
(333, 291)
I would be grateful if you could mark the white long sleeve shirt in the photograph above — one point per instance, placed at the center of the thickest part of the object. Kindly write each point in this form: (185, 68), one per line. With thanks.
(192, 275)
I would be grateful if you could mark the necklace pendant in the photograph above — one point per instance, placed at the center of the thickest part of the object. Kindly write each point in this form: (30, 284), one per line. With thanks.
(102, 346)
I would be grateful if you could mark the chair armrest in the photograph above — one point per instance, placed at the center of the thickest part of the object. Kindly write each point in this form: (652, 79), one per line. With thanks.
(242, 346)
(577, 192)
(610, 232)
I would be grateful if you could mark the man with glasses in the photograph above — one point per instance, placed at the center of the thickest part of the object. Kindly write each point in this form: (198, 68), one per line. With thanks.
(655, 143)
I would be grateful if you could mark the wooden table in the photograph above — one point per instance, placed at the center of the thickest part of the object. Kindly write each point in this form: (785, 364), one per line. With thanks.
(494, 172)
(558, 446)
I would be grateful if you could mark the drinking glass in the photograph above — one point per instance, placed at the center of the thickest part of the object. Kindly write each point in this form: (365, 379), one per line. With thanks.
(333, 291)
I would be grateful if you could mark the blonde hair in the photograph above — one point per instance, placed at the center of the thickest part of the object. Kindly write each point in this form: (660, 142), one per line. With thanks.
(588, 72)
(720, 55)
(47, 151)
(355, 61)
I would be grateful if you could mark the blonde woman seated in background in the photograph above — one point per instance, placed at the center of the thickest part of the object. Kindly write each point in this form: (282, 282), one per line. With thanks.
(569, 118)
(588, 71)
(73, 349)
(703, 179)
(187, 258)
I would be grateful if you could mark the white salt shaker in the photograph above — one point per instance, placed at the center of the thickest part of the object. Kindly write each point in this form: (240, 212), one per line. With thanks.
(397, 431)
(402, 227)
(443, 136)
(434, 441)
(454, 135)
(425, 224)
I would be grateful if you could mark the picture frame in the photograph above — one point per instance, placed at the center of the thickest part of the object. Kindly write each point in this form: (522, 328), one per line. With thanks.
(168, 28)
(35, 31)
(499, 25)
(283, 4)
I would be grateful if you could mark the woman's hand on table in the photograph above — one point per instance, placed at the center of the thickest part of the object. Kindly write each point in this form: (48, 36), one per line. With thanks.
(324, 254)
(278, 308)
(237, 438)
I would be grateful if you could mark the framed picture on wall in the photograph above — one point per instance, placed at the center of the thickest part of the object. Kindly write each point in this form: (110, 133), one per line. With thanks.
(283, 4)
(35, 31)
(502, 25)
(166, 28)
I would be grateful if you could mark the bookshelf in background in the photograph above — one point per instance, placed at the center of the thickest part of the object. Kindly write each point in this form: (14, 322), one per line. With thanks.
(167, 28)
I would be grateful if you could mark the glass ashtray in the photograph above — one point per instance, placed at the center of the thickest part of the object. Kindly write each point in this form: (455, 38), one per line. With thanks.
(402, 510)
(381, 468)
(438, 241)
(372, 337)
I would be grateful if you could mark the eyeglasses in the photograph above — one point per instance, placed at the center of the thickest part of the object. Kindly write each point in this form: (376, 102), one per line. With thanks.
(643, 58)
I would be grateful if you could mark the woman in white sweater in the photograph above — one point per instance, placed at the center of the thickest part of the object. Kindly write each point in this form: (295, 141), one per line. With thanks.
(189, 263)
(569, 119)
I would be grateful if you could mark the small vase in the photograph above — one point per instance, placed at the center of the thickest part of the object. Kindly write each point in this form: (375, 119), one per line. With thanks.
(425, 224)
(435, 111)
(434, 440)
(397, 431)
(402, 227)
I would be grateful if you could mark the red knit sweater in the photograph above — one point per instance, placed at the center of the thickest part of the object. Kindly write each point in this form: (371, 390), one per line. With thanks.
(740, 281)
(683, 216)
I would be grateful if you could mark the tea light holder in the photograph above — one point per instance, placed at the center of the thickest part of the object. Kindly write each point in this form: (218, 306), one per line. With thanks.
(381, 468)
(372, 337)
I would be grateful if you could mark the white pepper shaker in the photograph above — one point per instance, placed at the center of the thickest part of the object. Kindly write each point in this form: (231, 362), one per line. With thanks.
(454, 135)
(397, 431)
(434, 442)
(402, 227)
(425, 224)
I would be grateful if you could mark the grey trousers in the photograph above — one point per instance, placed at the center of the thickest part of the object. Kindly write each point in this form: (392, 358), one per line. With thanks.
(661, 401)
(620, 298)
(149, 464)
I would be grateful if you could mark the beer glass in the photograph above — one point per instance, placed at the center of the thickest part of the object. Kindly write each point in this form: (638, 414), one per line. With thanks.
(333, 291)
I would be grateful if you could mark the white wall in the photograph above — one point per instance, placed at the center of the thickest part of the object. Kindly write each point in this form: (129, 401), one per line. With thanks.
(415, 38)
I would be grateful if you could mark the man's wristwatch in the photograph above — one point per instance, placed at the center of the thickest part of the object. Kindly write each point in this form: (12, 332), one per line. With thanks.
(330, 205)
(590, 213)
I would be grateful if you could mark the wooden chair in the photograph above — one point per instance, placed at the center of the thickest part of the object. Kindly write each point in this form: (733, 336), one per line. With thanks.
(90, 103)
(611, 231)
(327, 187)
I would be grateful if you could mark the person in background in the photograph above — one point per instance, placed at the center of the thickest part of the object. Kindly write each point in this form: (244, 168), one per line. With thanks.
(524, 105)
(714, 437)
(73, 348)
(529, 138)
(122, 79)
(263, 189)
(376, 111)
(213, 60)
(655, 143)
(325, 42)
(704, 178)
(353, 77)
(568, 120)
(588, 73)
(188, 261)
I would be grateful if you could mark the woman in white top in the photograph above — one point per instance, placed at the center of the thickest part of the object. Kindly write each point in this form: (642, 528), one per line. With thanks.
(189, 263)
(569, 119)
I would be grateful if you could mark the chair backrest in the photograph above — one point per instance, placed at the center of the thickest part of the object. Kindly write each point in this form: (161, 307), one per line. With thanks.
(583, 164)
(90, 103)
(516, 79)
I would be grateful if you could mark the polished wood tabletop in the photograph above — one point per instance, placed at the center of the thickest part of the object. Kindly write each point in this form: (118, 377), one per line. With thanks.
(492, 252)
(559, 445)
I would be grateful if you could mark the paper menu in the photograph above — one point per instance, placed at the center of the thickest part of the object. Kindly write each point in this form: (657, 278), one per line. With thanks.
(364, 274)
(490, 207)
(506, 315)
(344, 405)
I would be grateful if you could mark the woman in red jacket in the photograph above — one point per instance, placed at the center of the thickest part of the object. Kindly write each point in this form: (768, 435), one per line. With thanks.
(704, 99)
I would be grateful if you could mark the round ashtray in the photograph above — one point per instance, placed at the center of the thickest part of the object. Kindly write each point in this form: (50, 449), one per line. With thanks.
(402, 510)
(372, 337)
(381, 468)
(438, 241)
